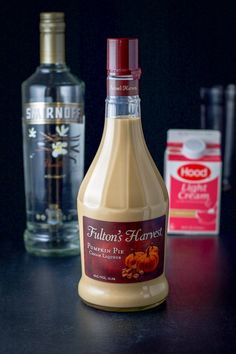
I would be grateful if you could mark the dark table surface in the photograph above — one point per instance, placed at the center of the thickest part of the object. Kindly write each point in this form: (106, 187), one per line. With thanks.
(40, 311)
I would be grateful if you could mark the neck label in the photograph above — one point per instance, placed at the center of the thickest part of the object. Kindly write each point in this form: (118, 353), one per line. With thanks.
(122, 87)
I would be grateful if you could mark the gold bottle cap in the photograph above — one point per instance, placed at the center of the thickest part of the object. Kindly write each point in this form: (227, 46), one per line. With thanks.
(52, 22)
(52, 46)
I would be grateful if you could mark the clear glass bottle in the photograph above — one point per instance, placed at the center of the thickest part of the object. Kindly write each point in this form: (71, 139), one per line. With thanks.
(53, 137)
(122, 201)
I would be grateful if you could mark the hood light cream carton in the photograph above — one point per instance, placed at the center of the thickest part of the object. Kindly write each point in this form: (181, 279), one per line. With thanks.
(193, 180)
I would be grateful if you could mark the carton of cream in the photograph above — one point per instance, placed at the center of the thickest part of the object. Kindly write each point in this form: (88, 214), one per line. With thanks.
(193, 180)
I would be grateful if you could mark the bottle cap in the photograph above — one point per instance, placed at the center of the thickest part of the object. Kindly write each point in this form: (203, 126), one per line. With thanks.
(52, 43)
(230, 91)
(193, 148)
(52, 22)
(122, 57)
(212, 95)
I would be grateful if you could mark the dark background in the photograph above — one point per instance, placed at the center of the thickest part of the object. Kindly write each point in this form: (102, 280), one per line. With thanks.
(183, 45)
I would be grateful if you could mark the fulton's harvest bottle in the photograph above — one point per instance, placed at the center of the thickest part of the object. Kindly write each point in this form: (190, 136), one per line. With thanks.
(53, 136)
(123, 202)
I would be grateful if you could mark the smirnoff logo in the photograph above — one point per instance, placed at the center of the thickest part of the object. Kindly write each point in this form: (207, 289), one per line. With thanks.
(194, 172)
(46, 112)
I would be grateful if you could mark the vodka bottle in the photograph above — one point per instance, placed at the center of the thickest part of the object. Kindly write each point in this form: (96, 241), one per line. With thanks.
(53, 138)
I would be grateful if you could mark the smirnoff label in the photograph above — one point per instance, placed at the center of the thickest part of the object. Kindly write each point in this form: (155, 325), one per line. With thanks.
(53, 113)
(54, 156)
(124, 252)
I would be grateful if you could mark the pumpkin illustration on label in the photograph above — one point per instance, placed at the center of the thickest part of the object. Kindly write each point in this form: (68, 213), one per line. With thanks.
(148, 262)
(132, 258)
(138, 262)
(153, 249)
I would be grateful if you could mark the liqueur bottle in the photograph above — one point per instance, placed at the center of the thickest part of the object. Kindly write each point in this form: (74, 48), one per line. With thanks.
(53, 138)
(123, 202)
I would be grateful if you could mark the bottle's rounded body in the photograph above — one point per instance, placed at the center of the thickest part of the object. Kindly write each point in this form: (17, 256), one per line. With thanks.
(123, 211)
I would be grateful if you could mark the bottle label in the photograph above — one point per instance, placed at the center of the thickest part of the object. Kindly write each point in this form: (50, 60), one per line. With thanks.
(124, 252)
(54, 160)
(117, 87)
(53, 113)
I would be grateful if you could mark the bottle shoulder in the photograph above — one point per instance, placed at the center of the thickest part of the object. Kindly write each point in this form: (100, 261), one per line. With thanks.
(123, 174)
(54, 76)
(104, 199)
(140, 187)
(53, 84)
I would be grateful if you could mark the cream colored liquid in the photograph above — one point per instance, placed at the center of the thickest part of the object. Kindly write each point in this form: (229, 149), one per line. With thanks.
(122, 185)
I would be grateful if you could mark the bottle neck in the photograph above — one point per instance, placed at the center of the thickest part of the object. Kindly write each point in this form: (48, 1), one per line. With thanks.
(122, 97)
(52, 48)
